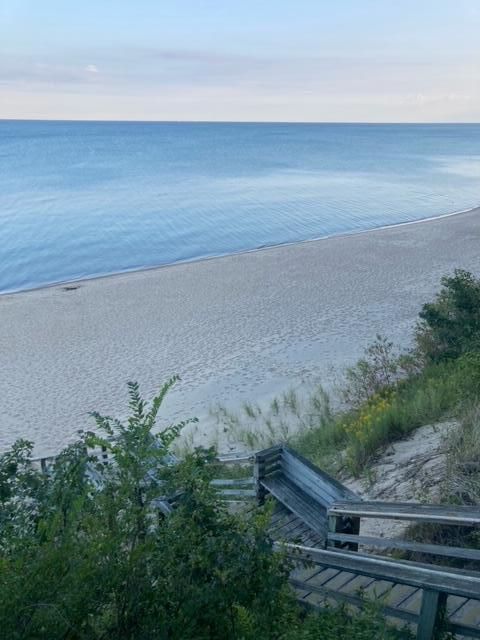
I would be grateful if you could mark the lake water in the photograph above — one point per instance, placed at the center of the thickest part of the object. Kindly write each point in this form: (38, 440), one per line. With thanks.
(83, 199)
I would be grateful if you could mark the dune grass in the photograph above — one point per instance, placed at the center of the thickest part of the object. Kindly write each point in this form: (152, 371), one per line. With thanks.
(349, 437)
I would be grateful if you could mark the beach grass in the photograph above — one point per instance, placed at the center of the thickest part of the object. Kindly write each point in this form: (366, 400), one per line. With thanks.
(387, 393)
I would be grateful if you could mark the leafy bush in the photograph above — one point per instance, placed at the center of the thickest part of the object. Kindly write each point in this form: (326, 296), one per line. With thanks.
(85, 554)
(378, 370)
(425, 398)
(331, 624)
(450, 325)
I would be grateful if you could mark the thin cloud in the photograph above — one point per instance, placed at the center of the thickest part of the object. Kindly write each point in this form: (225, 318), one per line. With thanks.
(230, 84)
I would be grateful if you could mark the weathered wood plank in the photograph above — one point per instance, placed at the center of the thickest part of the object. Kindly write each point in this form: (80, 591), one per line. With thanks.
(357, 585)
(241, 493)
(454, 603)
(227, 482)
(264, 454)
(378, 588)
(236, 458)
(458, 515)
(463, 630)
(351, 599)
(298, 502)
(313, 539)
(322, 577)
(342, 489)
(280, 521)
(340, 581)
(398, 594)
(468, 613)
(313, 481)
(305, 573)
(413, 602)
(464, 621)
(307, 480)
(418, 547)
(271, 467)
(291, 532)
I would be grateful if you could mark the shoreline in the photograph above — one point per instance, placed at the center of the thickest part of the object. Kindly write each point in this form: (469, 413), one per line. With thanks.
(240, 328)
(346, 234)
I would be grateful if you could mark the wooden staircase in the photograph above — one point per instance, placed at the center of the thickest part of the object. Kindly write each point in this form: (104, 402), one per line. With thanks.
(317, 521)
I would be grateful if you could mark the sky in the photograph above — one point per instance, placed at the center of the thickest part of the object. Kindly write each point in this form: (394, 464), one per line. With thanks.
(242, 60)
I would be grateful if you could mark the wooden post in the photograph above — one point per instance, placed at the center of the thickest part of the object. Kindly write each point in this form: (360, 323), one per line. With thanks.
(342, 524)
(263, 466)
(431, 614)
(258, 473)
(332, 528)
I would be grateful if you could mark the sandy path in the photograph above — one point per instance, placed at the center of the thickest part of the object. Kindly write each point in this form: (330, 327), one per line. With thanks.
(235, 328)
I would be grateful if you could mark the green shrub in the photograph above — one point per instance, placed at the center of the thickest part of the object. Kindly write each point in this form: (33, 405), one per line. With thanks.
(450, 325)
(342, 622)
(84, 553)
(378, 370)
(416, 401)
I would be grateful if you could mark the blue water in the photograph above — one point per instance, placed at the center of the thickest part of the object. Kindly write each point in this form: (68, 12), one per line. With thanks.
(85, 199)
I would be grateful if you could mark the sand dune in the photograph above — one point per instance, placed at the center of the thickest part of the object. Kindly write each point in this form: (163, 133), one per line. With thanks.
(235, 328)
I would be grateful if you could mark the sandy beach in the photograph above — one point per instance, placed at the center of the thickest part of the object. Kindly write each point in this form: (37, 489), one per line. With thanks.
(235, 328)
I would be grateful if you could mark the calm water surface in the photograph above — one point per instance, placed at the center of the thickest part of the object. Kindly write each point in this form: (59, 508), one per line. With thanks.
(86, 199)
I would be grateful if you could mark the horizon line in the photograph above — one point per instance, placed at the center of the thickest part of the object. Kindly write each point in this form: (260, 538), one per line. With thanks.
(309, 122)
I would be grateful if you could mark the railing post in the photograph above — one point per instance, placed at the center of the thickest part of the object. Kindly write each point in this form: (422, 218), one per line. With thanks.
(258, 474)
(332, 528)
(264, 466)
(431, 614)
(342, 524)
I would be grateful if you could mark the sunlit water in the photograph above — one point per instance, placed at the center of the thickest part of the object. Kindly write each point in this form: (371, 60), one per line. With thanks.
(84, 199)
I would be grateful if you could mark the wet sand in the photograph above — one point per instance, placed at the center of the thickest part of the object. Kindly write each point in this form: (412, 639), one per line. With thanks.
(235, 328)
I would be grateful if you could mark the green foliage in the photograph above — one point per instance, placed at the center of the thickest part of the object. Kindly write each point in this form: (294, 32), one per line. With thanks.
(450, 325)
(422, 399)
(287, 416)
(21, 491)
(378, 370)
(85, 554)
(342, 622)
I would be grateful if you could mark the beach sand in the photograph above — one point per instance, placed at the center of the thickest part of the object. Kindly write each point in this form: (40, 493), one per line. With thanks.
(235, 328)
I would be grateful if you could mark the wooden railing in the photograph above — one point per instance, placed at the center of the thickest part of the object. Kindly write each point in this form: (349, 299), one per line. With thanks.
(329, 508)
(437, 584)
(445, 515)
(303, 488)
(46, 463)
(232, 489)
